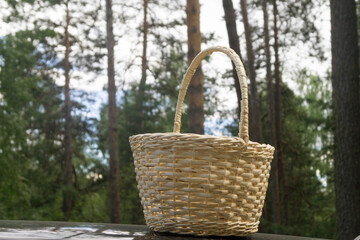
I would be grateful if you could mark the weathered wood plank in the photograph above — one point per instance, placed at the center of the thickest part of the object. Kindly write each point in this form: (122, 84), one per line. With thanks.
(41, 230)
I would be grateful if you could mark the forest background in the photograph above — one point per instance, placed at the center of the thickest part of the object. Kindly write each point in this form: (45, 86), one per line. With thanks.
(77, 78)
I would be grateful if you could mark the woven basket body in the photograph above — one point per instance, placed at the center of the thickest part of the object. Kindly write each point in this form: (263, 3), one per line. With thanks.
(200, 184)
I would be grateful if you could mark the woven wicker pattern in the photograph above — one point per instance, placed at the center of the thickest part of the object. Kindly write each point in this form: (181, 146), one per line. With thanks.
(200, 184)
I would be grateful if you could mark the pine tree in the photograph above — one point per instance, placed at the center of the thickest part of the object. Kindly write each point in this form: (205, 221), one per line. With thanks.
(271, 113)
(280, 163)
(255, 118)
(142, 84)
(68, 202)
(234, 43)
(278, 159)
(345, 82)
(113, 129)
(196, 89)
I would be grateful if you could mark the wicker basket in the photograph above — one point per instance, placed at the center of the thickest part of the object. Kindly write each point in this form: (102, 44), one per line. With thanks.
(200, 184)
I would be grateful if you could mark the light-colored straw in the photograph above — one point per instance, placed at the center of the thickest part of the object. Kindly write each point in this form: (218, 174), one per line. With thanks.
(201, 184)
(243, 125)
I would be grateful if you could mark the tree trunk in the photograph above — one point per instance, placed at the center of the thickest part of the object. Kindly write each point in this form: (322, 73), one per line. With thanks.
(255, 118)
(196, 88)
(279, 164)
(67, 201)
(142, 84)
(271, 116)
(113, 131)
(234, 43)
(345, 83)
(144, 58)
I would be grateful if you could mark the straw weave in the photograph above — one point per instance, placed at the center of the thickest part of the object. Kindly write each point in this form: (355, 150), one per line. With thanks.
(201, 184)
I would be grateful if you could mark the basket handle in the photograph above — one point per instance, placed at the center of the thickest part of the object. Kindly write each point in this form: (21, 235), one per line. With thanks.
(244, 122)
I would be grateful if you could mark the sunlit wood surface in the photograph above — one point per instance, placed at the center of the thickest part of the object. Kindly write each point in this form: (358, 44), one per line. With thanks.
(31, 230)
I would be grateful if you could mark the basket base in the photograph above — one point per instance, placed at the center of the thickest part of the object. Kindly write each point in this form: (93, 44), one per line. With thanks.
(207, 228)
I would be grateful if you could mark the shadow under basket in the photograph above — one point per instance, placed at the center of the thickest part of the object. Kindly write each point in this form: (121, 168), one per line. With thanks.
(200, 184)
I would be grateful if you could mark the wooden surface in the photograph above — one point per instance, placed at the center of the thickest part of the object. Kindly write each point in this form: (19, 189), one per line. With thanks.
(31, 230)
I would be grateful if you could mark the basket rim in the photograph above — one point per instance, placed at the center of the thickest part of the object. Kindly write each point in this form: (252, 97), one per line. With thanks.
(203, 136)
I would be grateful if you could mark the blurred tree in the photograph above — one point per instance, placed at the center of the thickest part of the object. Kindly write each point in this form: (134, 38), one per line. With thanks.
(255, 115)
(196, 89)
(50, 59)
(278, 165)
(37, 104)
(234, 43)
(16, 81)
(142, 84)
(308, 144)
(271, 114)
(113, 123)
(68, 201)
(345, 83)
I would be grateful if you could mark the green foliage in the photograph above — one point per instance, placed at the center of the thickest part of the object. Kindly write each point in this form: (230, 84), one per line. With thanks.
(32, 135)
(307, 138)
(18, 80)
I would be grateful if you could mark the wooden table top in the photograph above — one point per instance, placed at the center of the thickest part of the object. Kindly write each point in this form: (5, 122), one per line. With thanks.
(43, 230)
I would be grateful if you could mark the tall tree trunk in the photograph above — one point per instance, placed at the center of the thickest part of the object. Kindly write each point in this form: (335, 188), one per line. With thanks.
(144, 58)
(67, 201)
(142, 84)
(255, 118)
(279, 164)
(345, 83)
(271, 115)
(196, 86)
(113, 130)
(234, 43)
